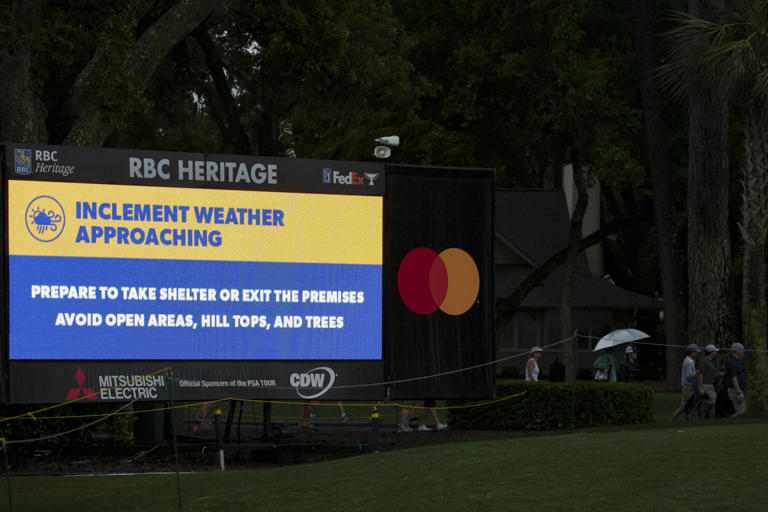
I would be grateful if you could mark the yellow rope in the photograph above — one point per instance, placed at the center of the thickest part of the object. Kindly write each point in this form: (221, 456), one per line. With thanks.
(33, 414)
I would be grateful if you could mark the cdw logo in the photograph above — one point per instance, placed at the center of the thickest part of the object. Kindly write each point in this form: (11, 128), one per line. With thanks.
(316, 381)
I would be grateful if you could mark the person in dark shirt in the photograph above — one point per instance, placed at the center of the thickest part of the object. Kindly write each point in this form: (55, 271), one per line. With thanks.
(557, 371)
(736, 379)
(627, 367)
(708, 382)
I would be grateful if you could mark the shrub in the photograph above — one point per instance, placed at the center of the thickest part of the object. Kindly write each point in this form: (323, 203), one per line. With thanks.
(62, 419)
(554, 405)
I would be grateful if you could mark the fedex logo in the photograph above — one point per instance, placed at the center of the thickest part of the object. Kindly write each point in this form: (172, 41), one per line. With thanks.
(350, 178)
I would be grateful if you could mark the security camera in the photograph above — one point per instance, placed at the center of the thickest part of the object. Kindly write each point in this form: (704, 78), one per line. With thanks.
(392, 140)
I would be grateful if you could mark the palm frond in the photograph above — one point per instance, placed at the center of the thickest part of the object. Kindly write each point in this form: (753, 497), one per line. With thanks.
(722, 53)
(759, 93)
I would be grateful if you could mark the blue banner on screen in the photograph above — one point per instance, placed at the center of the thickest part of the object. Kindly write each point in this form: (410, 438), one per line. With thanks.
(120, 308)
(118, 272)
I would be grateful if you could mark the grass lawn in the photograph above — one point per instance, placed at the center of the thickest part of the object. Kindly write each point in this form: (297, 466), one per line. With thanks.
(712, 466)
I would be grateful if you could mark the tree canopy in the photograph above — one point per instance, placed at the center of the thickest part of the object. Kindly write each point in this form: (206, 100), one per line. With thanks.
(516, 86)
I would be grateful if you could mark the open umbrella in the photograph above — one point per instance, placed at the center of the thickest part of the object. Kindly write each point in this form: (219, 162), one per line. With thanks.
(619, 337)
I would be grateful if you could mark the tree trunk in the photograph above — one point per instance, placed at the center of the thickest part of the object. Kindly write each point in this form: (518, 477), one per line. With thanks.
(92, 126)
(710, 310)
(566, 325)
(234, 131)
(655, 131)
(22, 114)
(506, 307)
(754, 229)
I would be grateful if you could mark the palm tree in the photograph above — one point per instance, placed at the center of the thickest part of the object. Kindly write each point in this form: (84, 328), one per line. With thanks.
(726, 53)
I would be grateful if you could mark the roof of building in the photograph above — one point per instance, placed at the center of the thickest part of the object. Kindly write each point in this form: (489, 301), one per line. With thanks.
(531, 225)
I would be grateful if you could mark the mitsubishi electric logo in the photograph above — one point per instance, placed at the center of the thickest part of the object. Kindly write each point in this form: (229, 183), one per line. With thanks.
(74, 393)
(313, 383)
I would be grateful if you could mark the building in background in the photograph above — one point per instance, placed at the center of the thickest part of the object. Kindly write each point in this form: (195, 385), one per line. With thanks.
(531, 225)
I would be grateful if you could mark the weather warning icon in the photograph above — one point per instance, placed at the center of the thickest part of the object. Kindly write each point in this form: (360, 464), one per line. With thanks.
(45, 218)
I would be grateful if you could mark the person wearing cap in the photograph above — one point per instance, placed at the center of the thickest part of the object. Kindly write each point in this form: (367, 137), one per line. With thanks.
(689, 379)
(626, 371)
(708, 381)
(532, 366)
(736, 379)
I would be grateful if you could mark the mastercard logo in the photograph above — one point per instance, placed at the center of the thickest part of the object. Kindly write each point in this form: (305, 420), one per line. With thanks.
(428, 281)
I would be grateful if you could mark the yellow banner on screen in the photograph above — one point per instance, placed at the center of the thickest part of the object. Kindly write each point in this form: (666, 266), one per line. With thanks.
(122, 221)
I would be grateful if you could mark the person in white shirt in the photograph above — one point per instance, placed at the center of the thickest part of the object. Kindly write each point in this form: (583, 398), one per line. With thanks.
(532, 366)
(689, 379)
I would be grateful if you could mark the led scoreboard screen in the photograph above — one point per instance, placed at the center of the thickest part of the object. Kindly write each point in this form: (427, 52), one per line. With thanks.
(126, 272)
(247, 276)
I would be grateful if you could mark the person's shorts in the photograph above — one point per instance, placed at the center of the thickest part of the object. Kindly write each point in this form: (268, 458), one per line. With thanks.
(710, 395)
(688, 392)
(739, 407)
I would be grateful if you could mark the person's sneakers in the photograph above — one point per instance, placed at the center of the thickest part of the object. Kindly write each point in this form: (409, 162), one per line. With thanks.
(313, 417)
(424, 428)
(405, 428)
(441, 426)
(346, 416)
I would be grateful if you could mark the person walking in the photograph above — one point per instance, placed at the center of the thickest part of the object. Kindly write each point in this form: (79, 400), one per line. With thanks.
(606, 363)
(532, 369)
(345, 416)
(626, 371)
(689, 379)
(430, 406)
(736, 379)
(708, 382)
(405, 415)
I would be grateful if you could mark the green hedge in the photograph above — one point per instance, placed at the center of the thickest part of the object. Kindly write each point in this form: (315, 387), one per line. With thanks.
(550, 406)
(62, 419)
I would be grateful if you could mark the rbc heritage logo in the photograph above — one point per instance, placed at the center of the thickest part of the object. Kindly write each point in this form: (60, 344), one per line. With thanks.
(45, 218)
(326, 175)
(23, 159)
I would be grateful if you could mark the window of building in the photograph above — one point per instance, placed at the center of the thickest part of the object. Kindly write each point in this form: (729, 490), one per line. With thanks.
(542, 327)
(526, 329)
